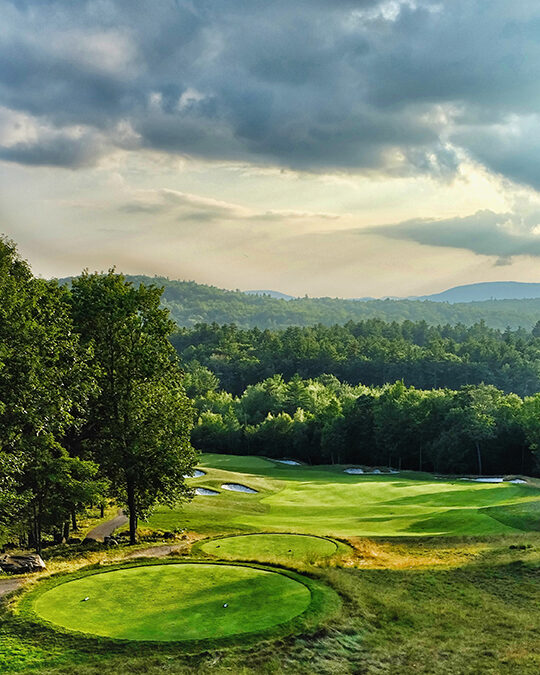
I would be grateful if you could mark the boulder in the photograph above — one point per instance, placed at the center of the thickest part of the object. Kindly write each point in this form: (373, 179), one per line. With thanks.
(19, 564)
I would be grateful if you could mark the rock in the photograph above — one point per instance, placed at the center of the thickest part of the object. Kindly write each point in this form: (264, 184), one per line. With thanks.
(169, 535)
(110, 541)
(19, 564)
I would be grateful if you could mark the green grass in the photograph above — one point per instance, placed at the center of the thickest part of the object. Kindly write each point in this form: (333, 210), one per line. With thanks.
(325, 501)
(479, 617)
(269, 547)
(447, 582)
(174, 602)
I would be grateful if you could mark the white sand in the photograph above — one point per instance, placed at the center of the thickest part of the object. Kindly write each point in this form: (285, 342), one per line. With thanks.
(236, 487)
(290, 462)
(196, 474)
(206, 492)
(484, 480)
(353, 471)
(518, 481)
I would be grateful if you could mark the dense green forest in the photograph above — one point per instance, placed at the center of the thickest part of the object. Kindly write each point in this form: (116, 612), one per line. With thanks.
(370, 352)
(190, 303)
(477, 429)
(329, 394)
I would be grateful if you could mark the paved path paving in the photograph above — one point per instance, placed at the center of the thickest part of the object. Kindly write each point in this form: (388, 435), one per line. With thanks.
(106, 529)
(8, 585)
(158, 551)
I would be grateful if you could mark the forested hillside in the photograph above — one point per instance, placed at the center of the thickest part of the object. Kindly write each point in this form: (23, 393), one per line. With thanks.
(370, 352)
(190, 303)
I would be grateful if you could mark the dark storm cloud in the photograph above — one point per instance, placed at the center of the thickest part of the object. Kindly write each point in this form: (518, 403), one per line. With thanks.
(396, 87)
(57, 150)
(503, 235)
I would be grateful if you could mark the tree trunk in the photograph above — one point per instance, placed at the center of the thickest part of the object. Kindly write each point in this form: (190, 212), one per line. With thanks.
(74, 520)
(479, 455)
(102, 509)
(66, 530)
(132, 512)
(37, 524)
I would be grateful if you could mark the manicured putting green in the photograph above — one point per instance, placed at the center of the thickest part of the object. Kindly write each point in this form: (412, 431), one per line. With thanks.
(174, 602)
(270, 546)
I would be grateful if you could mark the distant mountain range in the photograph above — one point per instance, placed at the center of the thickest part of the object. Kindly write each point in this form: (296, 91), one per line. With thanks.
(190, 303)
(488, 290)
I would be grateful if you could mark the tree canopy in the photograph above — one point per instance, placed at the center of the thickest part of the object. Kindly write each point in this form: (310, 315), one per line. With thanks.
(91, 401)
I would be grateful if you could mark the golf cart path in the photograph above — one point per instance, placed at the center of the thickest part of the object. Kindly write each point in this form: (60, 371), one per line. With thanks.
(158, 551)
(107, 528)
(8, 585)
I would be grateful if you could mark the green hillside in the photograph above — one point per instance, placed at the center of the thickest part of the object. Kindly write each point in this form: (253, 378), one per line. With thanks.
(191, 303)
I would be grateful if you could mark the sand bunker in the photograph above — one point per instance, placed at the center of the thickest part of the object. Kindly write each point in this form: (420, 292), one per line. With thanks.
(485, 480)
(205, 492)
(496, 479)
(196, 474)
(353, 471)
(236, 487)
(291, 462)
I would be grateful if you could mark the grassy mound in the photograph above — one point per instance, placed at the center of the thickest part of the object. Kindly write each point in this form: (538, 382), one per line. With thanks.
(174, 602)
(323, 500)
(269, 547)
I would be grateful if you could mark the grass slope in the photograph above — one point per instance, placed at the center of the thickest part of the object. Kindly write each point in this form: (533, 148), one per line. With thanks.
(325, 501)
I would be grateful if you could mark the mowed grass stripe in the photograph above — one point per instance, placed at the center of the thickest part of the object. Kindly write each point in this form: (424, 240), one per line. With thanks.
(325, 501)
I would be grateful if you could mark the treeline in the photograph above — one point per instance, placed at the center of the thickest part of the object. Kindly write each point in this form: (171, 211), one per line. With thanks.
(190, 303)
(371, 352)
(92, 406)
(475, 430)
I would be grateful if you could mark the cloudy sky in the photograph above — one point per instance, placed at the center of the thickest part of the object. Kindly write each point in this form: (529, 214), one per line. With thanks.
(327, 147)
